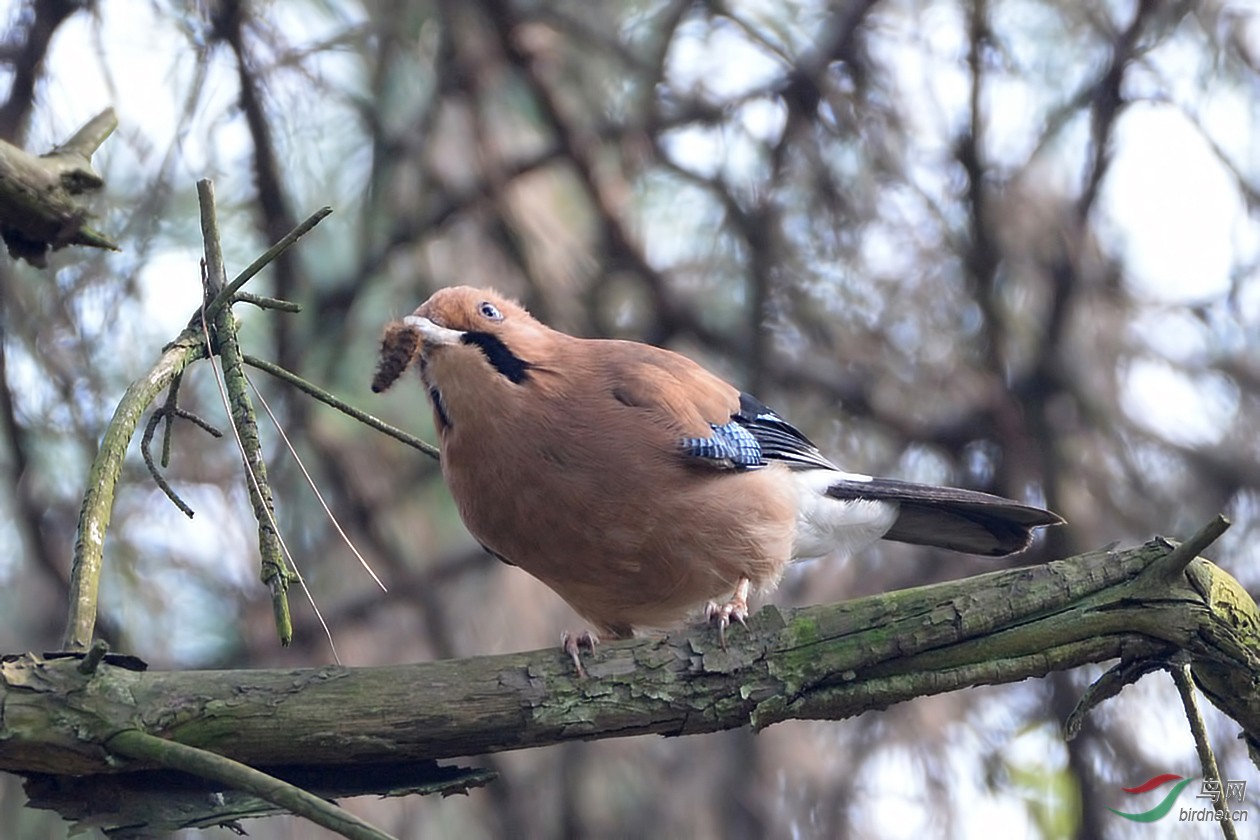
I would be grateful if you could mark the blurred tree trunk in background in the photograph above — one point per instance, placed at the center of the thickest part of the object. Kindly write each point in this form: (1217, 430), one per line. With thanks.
(1005, 245)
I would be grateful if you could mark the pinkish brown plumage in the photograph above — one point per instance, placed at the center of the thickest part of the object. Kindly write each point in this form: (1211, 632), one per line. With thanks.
(638, 485)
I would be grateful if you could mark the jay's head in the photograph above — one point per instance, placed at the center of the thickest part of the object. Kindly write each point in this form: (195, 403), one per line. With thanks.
(478, 333)
(474, 345)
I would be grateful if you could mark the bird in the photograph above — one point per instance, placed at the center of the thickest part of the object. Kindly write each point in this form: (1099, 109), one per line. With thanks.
(639, 486)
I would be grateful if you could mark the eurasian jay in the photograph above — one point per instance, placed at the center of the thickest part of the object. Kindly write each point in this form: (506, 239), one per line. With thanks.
(638, 485)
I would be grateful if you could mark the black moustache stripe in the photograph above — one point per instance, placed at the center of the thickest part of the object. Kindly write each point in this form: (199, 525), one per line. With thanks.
(444, 421)
(497, 353)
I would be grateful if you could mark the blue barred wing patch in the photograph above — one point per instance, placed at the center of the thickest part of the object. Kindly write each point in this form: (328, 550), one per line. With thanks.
(732, 445)
(755, 436)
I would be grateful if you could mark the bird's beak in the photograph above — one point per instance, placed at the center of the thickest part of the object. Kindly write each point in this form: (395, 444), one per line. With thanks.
(432, 334)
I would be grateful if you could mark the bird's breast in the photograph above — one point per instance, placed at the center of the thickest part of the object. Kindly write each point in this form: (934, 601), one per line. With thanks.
(614, 519)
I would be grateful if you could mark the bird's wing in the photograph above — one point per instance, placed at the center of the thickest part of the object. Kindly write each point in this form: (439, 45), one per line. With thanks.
(713, 423)
(672, 391)
(778, 439)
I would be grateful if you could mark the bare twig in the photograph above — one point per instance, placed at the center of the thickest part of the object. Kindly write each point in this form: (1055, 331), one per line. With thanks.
(265, 302)
(84, 142)
(132, 743)
(154, 472)
(1105, 687)
(1185, 687)
(172, 401)
(1108, 103)
(342, 406)
(275, 572)
(1171, 566)
(98, 499)
(168, 411)
(314, 487)
(93, 658)
(226, 294)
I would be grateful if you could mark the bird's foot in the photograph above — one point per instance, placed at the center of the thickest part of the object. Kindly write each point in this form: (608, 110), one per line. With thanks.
(736, 608)
(573, 646)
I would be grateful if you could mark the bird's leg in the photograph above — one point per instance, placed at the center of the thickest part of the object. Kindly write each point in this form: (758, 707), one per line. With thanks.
(736, 608)
(573, 646)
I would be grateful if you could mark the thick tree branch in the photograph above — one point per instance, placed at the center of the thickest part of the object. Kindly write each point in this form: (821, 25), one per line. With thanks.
(826, 663)
(42, 203)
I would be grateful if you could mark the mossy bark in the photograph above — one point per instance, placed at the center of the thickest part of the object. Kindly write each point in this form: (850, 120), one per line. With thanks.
(826, 662)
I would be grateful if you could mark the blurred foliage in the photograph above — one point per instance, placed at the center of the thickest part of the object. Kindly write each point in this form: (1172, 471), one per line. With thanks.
(1010, 245)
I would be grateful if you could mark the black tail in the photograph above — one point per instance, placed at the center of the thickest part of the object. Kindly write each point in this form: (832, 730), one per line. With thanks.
(948, 517)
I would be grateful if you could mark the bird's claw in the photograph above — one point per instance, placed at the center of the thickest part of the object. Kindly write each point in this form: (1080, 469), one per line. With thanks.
(573, 646)
(736, 608)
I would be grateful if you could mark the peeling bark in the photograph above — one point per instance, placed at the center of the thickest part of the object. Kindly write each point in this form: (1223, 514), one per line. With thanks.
(827, 662)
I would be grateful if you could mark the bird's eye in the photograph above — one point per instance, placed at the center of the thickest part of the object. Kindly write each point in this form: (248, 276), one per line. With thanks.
(489, 310)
